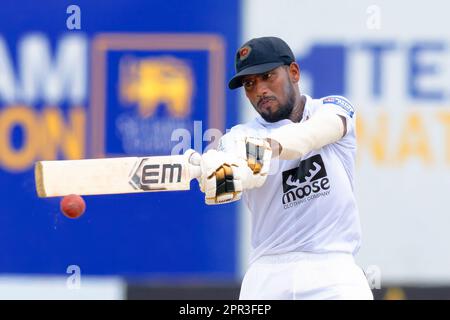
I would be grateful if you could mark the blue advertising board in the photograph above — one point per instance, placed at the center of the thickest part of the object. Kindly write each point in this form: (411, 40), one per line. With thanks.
(131, 78)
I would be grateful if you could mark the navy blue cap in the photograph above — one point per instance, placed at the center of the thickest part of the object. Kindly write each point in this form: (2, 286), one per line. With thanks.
(260, 55)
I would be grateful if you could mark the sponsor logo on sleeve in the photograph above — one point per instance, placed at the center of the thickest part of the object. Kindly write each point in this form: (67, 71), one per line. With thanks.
(343, 103)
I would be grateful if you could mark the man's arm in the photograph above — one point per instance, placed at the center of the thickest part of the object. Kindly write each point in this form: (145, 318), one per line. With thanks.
(294, 140)
(344, 121)
(244, 163)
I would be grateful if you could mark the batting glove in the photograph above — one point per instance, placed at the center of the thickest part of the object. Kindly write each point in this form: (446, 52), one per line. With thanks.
(225, 175)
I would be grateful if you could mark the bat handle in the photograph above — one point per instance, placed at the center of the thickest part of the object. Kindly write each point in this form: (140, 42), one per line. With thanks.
(195, 172)
(194, 160)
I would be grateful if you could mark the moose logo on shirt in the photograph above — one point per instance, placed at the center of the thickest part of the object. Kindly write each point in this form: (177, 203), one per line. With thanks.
(306, 181)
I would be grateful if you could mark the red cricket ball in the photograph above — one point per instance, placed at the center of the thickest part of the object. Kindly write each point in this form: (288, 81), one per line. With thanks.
(73, 206)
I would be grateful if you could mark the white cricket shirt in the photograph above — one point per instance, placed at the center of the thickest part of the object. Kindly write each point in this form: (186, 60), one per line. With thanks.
(308, 204)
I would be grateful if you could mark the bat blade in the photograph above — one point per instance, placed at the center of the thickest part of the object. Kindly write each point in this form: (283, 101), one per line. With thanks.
(113, 175)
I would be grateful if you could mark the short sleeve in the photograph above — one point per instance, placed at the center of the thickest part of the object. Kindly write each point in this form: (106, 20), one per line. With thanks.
(343, 107)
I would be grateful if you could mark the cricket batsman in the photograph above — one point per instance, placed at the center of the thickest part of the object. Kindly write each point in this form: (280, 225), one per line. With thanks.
(294, 167)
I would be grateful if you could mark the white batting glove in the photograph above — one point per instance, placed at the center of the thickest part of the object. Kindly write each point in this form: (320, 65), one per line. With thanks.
(255, 155)
(226, 175)
(219, 179)
(214, 172)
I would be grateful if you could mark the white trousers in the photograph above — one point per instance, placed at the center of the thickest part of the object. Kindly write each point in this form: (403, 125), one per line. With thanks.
(300, 275)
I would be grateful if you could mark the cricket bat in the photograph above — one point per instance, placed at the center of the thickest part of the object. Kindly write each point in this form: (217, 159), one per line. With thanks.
(114, 175)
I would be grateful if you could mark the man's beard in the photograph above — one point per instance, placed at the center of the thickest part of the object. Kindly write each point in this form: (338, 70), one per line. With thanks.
(284, 110)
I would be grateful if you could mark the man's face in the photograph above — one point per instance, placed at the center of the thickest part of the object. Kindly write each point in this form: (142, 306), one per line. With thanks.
(272, 94)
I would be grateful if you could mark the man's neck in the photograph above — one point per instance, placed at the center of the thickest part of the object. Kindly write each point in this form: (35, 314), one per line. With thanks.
(297, 113)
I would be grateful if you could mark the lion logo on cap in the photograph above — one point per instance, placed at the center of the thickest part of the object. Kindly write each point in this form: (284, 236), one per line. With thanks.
(244, 52)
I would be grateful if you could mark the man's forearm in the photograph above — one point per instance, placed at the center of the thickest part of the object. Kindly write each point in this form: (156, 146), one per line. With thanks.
(297, 139)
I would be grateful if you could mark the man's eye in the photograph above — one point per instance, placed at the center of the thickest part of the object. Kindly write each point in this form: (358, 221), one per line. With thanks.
(267, 75)
(247, 84)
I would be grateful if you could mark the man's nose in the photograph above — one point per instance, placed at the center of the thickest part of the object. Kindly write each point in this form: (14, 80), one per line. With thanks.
(261, 88)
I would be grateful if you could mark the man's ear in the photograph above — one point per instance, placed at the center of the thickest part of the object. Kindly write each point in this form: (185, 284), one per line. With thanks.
(294, 72)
